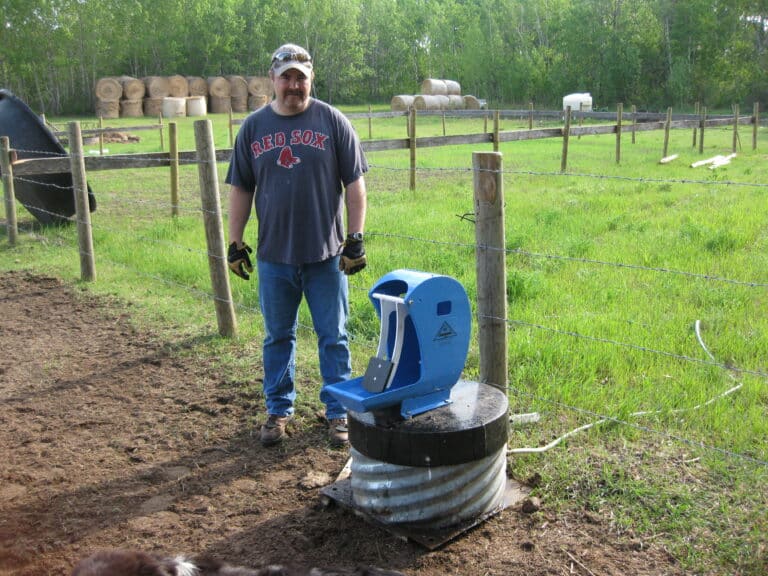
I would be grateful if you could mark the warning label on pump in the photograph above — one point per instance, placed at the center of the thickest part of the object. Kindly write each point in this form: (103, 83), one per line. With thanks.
(445, 332)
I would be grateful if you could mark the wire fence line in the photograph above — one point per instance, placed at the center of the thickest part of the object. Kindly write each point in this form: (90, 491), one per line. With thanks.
(373, 234)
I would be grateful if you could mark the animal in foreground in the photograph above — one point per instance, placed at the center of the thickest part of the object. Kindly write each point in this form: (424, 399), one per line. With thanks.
(120, 562)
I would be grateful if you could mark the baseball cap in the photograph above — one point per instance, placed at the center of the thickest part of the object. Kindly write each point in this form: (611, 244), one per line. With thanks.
(291, 56)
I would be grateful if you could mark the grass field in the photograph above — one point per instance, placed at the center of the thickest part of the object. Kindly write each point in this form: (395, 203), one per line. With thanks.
(610, 270)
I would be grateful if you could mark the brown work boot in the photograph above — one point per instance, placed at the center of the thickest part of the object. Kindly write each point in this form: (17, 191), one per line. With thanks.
(338, 433)
(273, 429)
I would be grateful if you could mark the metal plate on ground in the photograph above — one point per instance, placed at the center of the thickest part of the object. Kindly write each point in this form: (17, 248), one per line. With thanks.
(341, 493)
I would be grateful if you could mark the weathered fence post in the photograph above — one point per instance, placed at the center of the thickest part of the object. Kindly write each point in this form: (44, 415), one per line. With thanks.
(755, 124)
(496, 122)
(667, 126)
(101, 136)
(412, 143)
(82, 208)
(696, 112)
(491, 267)
(735, 127)
(8, 191)
(634, 122)
(173, 144)
(443, 123)
(160, 129)
(530, 115)
(214, 228)
(619, 114)
(566, 135)
(702, 123)
(581, 118)
(370, 122)
(231, 130)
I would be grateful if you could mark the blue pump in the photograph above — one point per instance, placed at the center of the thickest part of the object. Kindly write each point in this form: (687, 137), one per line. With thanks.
(423, 342)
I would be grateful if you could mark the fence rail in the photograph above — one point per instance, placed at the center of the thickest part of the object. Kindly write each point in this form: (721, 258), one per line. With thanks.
(33, 166)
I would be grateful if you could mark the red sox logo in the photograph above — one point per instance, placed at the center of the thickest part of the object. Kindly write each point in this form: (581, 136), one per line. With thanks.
(286, 158)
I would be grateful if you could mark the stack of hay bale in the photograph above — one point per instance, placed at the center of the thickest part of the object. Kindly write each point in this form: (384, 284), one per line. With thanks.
(259, 91)
(108, 94)
(436, 95)
(178, 95)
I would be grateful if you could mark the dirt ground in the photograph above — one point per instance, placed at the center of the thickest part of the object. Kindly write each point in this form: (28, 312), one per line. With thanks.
(108, 439)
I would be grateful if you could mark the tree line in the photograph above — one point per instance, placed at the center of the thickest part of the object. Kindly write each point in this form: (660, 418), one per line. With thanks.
(652, 53)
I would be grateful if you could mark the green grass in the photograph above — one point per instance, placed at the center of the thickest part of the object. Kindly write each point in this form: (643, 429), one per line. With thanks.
(609, 268)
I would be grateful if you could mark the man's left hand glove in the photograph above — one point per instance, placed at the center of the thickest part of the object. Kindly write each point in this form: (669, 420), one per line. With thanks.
(353, 256)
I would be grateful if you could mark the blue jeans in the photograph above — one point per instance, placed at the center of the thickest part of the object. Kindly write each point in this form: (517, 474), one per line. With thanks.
(281, 287)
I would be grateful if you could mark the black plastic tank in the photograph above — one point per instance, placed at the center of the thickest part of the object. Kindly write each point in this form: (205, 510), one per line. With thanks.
(48, 197)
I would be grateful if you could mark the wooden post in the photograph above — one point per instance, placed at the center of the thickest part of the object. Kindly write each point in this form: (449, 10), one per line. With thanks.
(412, 136)
(566, 136)
(491, 267)
(173, 143)
(696, 111)
(101, 136)
(619, 114)
(496, 131)
(581, 118)
(485, 123)
(702, 123)
(82, 208)
(231, 130)
(8, 191)
(408, 122)
(530, 115)
(370, 123)
(667, 126)
(443, 123)
(160, 127)
(755, 123)
(634, 122)
(735, 127)
(214, 228)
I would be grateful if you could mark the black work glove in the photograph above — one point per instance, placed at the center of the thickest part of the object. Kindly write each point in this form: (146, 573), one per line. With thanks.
(239, 261)
(353, 256)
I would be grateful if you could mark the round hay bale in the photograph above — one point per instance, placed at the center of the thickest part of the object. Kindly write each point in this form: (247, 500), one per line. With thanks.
(239, 103)
(133, 88)
(109, 89)
(471, 102)
(256, 102)
(197, 86)
(238, 87)
(401, 102)
(455, 102)
(259, 85)
(218, 87)
(430, 102)
(153, 106)
(131, 108)
(157, 86)
(434, 87)
(178, 87)
(453, 87)
(174, 106)
(107, 108)
(220, 104)
(196, 106)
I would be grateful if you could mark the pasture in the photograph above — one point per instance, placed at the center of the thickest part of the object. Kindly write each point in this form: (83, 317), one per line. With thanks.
(636, 306)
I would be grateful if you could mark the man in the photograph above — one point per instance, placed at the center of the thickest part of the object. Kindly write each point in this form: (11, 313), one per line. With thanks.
(299, 160)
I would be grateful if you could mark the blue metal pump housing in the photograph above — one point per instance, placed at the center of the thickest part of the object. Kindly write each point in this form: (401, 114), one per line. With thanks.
(423, 342)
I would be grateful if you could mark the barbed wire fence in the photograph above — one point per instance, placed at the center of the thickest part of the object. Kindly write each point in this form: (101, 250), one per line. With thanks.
(143, 213)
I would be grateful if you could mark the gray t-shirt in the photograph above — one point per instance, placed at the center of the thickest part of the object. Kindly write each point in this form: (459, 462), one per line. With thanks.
(297, 166)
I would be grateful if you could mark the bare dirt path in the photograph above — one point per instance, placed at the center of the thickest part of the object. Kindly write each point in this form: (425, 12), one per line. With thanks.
(109, 439)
